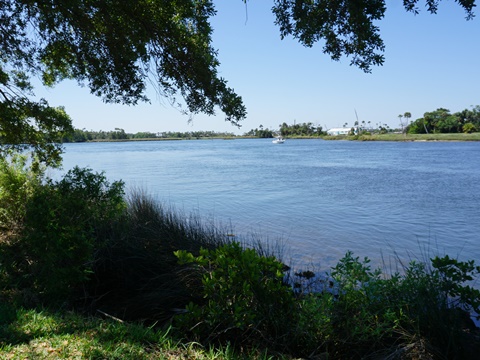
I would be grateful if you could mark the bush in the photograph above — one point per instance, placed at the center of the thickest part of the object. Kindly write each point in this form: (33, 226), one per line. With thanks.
(17, 184)
(355, 311)
(65, 222)
(469, 128)
(425, 310)
(245, 300)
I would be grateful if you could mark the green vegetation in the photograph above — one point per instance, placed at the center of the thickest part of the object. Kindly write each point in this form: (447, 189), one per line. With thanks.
(60, 226)
(43, 334)
(243, 296)
(86, 272)
(260, 132)
(120, 134)
(408, 137)
(303, 129)
(442, 121)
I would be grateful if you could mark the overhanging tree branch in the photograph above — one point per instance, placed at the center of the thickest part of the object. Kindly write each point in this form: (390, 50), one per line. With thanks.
(113, 46)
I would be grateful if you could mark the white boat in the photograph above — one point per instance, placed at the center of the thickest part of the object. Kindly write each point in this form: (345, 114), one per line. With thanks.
(278, 140)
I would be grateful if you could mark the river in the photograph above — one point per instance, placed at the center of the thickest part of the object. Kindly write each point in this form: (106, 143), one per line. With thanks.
(320, 198)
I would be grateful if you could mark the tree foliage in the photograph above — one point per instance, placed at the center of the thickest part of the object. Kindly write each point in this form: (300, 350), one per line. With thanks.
(302, 129)
(82, 135)
(114, 47)
(347, 27)
(260, 132)
(443, 121)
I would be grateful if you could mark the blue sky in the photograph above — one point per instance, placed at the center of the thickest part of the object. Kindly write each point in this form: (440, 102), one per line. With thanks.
(431, 61)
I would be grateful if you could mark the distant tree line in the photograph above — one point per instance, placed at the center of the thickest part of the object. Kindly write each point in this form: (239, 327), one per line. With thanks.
(438, 121)
(83, 135)
(442, 121)
(260, 132)
(302, 129)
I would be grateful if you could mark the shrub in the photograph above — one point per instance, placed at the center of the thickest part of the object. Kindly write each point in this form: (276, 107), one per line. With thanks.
(361, 312)
(245, 297)
(65, 222)
(369, 312)
(469, 128)
(17, 184)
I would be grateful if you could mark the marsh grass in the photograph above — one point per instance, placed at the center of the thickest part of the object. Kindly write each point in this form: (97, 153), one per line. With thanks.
(136, 275)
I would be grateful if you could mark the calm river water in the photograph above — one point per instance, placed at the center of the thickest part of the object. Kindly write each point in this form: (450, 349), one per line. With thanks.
(321, 198)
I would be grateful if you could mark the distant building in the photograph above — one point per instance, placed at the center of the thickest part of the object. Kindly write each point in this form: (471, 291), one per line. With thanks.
(339, 131)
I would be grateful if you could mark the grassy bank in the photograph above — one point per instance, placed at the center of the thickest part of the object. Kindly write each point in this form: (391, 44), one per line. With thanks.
(372, 137)
(87, 272)
(409, 137)
(165, 139)
(43, 334)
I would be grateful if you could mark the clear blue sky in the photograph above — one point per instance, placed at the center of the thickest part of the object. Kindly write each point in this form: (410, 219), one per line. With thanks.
(431, 61)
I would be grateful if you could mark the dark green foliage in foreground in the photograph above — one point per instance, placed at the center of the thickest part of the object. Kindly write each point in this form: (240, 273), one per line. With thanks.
(17, 184)
(423, 312)
(78, 243)
(374, 313)
(63, 222)
(244, 297)
(136, 273)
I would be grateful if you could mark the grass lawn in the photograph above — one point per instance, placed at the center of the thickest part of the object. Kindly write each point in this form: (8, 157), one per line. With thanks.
(40, 334)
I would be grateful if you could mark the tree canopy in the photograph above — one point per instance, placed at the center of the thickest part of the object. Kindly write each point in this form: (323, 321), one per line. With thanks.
(117, 47)
(443, 121)
(114, 47)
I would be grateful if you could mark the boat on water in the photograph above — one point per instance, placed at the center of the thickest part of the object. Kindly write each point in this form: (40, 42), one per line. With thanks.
(278, 140)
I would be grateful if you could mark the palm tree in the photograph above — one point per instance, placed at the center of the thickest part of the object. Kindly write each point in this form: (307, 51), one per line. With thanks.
(407, 116)
(402, 124)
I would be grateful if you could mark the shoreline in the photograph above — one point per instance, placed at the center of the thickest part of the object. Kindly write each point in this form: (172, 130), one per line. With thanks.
(453, 137)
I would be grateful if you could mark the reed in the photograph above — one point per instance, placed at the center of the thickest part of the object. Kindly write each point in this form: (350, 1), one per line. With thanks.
(136, 274)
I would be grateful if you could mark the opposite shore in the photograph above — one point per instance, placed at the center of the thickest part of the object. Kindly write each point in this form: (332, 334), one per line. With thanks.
(373, 137)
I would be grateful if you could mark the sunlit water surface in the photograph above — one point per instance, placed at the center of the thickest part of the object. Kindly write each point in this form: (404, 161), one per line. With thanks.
(321, 198)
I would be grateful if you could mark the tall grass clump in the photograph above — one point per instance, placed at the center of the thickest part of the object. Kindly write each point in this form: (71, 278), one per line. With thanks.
(79, 241)
(136, 275)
